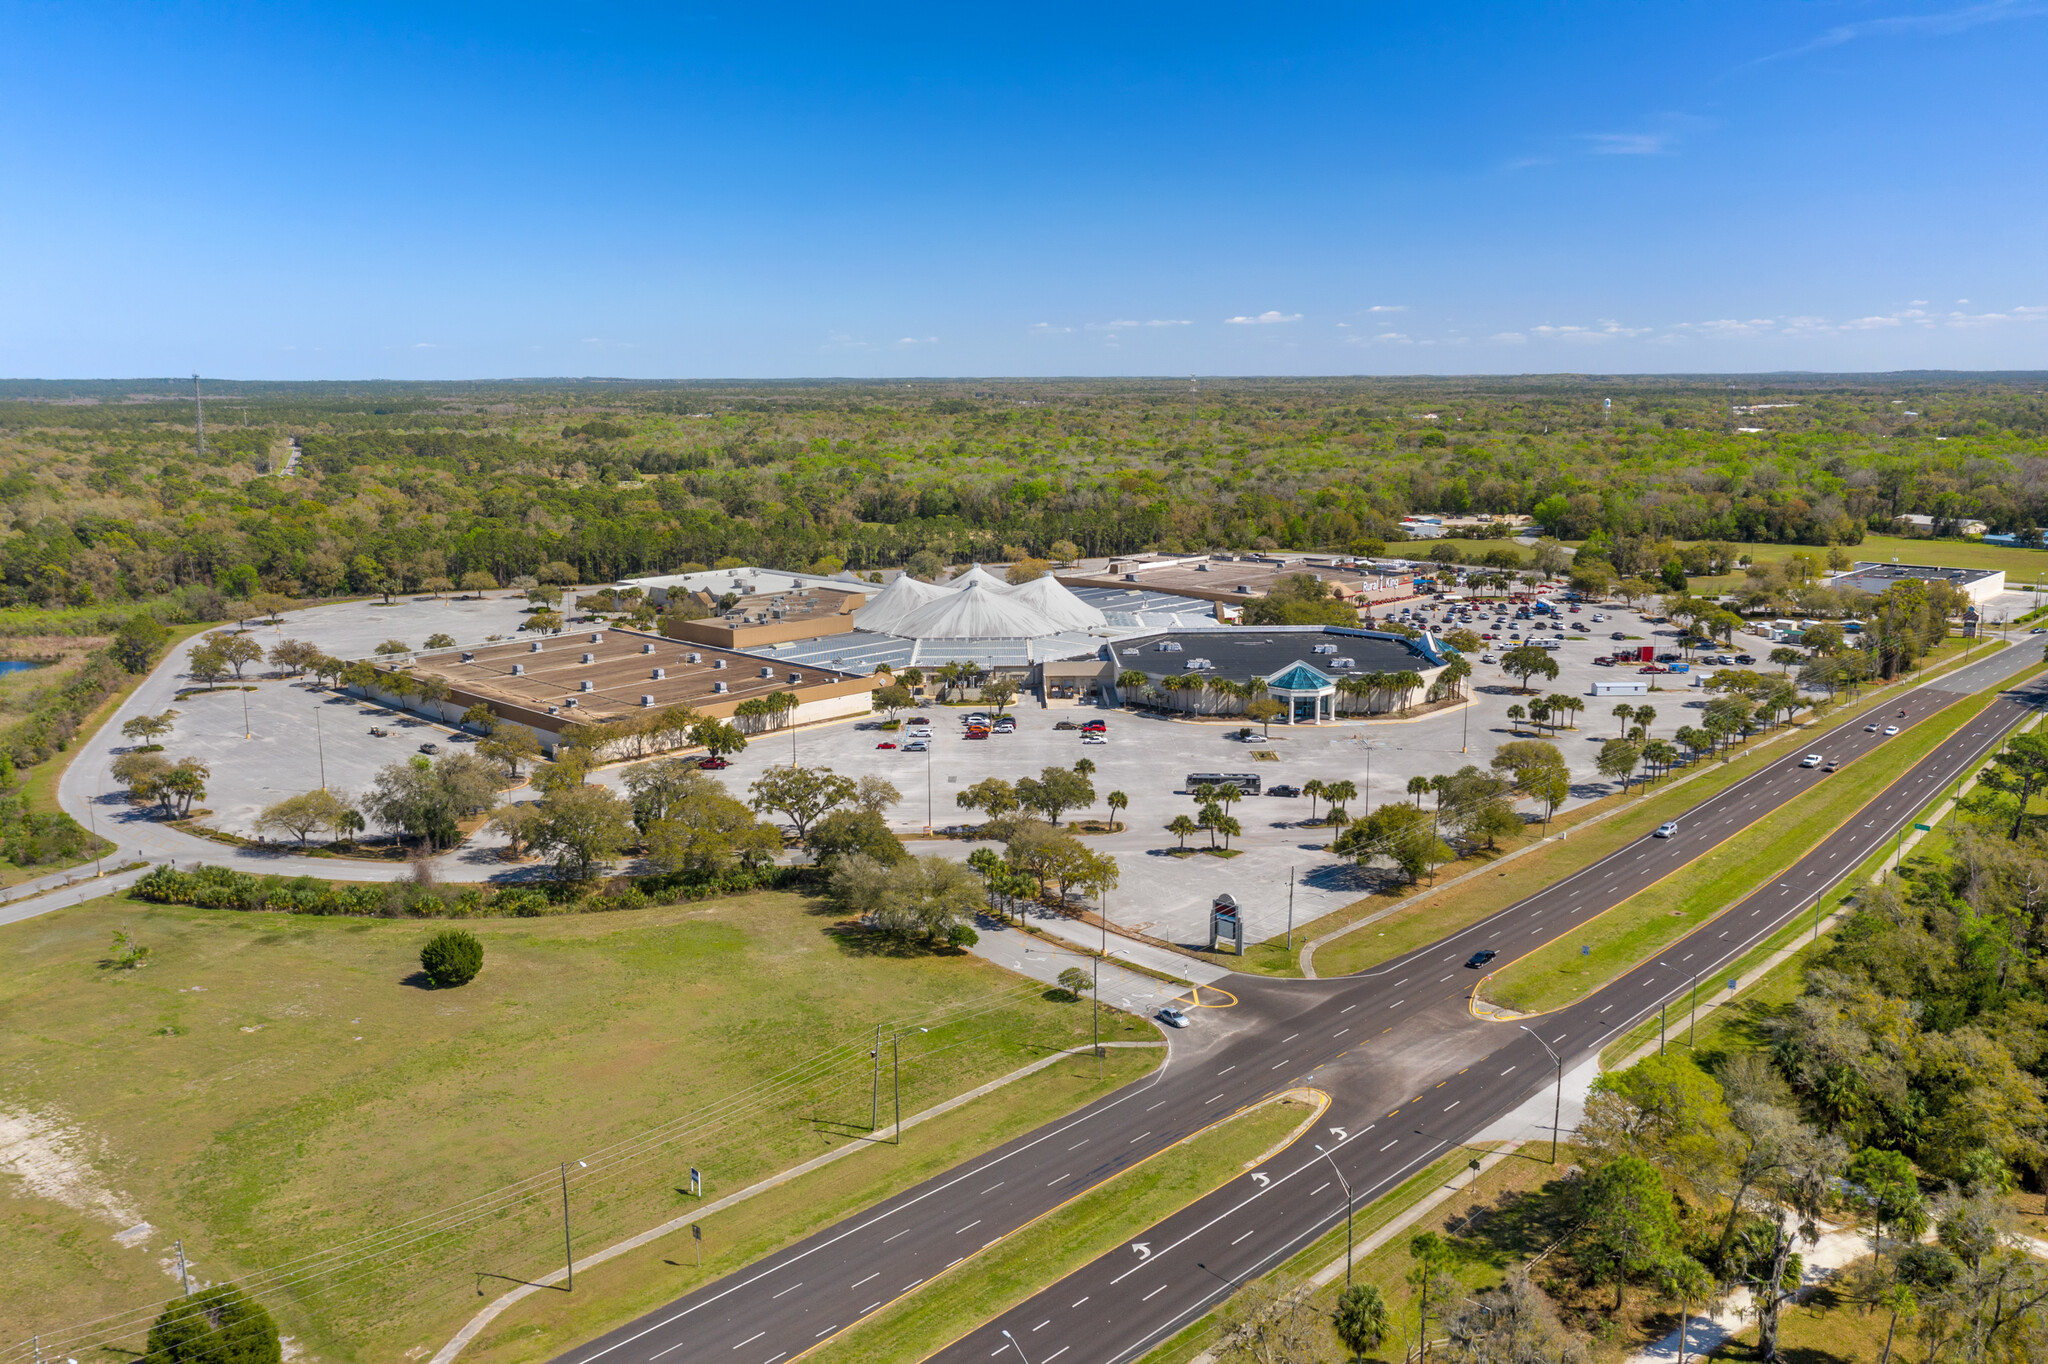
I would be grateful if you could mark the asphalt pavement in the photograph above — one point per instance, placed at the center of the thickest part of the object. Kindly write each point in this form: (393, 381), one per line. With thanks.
(1411, 1071)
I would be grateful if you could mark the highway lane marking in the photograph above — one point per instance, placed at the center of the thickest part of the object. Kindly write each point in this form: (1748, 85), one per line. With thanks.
(1081, 1143)
(1452, 1104)
(1077, 1304)
(1153, 1294)
(992, 1188)
(1319, 1188)
(1043, 1324)
(1210, 1101)
(1283, 1042)
(912, 1284)
(869, 1308)
(1276, 1067)
(1509, 1068)
(1068, 1175)
(876, 1275)
(1395, 1142)
(1340, 1032)
(751, 1339)
(905, 1232)
(1057, 1353)
(791, 1289)
(1249, 1233)
(1135, 1140)
(670, 1350)
(1227, 1069)
(1397, 1004)
(1346, 1009)
(969, 1227)
(821, 1335)
(773, 1358)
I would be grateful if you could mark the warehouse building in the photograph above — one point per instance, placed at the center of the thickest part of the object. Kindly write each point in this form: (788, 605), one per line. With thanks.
(1978, 584)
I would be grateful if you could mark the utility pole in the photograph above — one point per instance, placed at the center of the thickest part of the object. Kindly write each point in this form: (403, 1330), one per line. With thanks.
(320, 744)
(1096, 990)
(567, 1256)
(1347, 1213)
(896, 1068)
(875, 1097)
(183, 1277)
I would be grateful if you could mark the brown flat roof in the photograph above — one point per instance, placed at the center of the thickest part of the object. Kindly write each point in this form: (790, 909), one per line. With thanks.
(620, 672)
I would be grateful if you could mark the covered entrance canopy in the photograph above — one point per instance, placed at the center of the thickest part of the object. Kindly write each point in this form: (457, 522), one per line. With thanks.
(1309, 696)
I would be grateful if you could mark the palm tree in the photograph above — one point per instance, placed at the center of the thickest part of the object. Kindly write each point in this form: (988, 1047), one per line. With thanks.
(1180, 826)
(1312, 788)
(1372, 684)
(1405, 682)
(1085, 766)
(1117, 802)
(1623, 713)
(1645, 715)
(1515, 717)
(1338, 792)
(1418, 787)
(1539, 712)
(1132, 684)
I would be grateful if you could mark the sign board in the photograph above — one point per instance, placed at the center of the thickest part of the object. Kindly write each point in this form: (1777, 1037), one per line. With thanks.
(1925, 828)
(1225, 926)
(696, 1182)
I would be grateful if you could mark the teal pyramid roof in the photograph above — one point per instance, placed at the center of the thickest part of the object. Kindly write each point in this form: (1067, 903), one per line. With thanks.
(1300, 677)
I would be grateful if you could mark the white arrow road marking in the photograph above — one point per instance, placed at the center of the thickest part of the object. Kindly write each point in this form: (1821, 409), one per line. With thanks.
(1263, 1179)
(1144, 1250)
(1342, 1135)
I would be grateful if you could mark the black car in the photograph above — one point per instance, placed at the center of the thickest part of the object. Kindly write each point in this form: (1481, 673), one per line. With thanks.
(1482, 956)
(1283, 790)
(1745, 660)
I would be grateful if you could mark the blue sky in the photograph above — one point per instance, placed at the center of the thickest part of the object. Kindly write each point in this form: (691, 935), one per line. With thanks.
(441, 191)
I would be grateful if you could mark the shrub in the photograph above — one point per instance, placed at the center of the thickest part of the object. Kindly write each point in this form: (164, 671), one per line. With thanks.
(962, 936)
(222, 1325)
(452, 957)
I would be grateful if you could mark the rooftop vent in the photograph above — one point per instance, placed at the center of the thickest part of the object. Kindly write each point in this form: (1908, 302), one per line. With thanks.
(570, 703)
(717, 687)
(693, 658)
(647, 648)
(534, 647)
(1323, 649)
(660, 673)
(518, 669)
(1343, 662)
(596, 638)
(646, 700)
(767, 672)
(469, 658)
(796, 677)
(1167, 646)
(590, 658)
(554, 710)
(584, 685)
(718, 663)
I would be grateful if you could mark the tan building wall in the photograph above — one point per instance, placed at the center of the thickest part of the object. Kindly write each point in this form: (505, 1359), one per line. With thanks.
(725, 634)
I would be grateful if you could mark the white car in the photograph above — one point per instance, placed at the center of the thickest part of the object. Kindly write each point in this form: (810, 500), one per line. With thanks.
(1172, 1017)
(1666, 830)
(1093, 738)
(921, 732)
(1891, 729)
(916, 746)
(1811, 760)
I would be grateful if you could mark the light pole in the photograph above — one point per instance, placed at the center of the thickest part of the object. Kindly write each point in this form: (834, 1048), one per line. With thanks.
(1015, 1346)
(320, 744)
(1557, 1108)
(1290, 909)
(1346, 1184)
(927, 787)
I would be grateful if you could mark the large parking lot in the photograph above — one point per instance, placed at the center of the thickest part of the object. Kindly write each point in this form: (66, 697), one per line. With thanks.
(1148, 757)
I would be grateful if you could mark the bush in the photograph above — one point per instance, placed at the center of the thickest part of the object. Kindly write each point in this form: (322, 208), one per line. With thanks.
(222, 1325)
(962, 936)
(452, 957)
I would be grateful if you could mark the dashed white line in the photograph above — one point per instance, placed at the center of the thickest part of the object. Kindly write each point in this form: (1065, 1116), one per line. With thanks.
(751, 1339)
(791, 1289)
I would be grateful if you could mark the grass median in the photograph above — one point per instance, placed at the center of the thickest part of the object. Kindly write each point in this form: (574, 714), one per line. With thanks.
(986, 1285)
(268, 1085)
(1437, 914)
(1639, 927)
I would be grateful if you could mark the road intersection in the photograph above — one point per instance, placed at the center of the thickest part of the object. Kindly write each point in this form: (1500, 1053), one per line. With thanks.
(1410, 1069)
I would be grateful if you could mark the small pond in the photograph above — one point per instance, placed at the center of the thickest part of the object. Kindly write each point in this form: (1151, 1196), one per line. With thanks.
(17, 665)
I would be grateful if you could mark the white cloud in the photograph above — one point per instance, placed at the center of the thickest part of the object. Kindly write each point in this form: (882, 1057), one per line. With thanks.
(1388, 308)
(1921, 302)
(1272, 315)
(1627, 144)
(1607, 330)
(917, 341)
(1943, 24)
(1509, 339)
(426, 345)
(1047, 329)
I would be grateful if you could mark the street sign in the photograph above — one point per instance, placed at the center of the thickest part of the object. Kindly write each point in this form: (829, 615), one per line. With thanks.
(696, 1182)
(1925, 828)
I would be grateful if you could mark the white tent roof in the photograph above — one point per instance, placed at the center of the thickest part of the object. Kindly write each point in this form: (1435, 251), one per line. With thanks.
(976, 611)
(887, 609)
(1049, 596)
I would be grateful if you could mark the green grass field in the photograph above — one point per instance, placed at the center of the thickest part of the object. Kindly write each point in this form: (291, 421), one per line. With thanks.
(1641, 926)
(988, 1284)
(2022, 566)
(267, 1086)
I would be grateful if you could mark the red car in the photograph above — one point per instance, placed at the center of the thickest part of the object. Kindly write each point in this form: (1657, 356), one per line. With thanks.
(886, 743)
(713, 764)
(920, 719)
(1095, 726)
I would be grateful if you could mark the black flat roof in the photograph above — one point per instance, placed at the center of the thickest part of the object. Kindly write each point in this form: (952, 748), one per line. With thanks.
(1241, 652)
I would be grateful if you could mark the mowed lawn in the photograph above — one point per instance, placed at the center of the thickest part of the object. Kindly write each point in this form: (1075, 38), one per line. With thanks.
(2022, 566)
(270, 1086)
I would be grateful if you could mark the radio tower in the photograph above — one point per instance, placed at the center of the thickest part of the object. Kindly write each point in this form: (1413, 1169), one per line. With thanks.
(199, 410)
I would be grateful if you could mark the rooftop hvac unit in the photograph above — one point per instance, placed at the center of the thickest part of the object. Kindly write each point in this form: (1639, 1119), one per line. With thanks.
(1343, 662)
(570, 703)
(1323, 649)
(584, 685)
(796, 677)
(646, 700)
(717, 687)
(518, 669)
(647, 648)
(590, 658)
(1167, 646)
(660, 673)
(554, 710)
(718, 663)
(1201, 568)
(767, 672)
(596, 638)
(469, 658)
(534, 647)
(1199, 665)
(1130, 577)
(693, 658)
